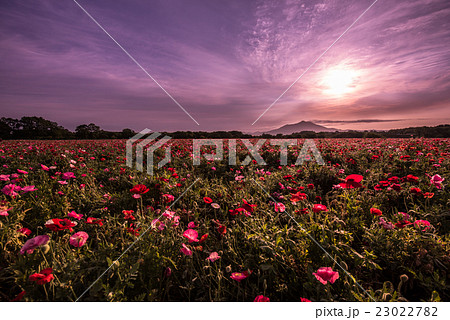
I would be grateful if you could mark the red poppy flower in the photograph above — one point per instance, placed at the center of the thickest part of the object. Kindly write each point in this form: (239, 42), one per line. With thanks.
(222, 229)
(24, 231)
(133, 231)
(352, 181)
(45, 276)
(376, 212)
(393, 179)
(295, 197)
(402, 224)
(91, 220)
(60, 224)
(207, 200)
(319, 207)
(301, 211)
(247, 206)
(139, 189)
(237, 211)
(416, 191)
(203, 238)
(411, 178)
(396, 187)
(128, 214)
(19, 296)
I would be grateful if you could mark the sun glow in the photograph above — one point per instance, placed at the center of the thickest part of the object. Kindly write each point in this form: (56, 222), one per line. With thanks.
(337, 82)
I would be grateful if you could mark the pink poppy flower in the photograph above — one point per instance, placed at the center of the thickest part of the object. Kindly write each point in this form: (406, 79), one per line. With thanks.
(239, 276)
(191, 235)
(280, 207)
(78, 239)
(4, 177)
(34, 243)
(261, 298)
(4, 210)
(422, 223)
(437, 181)
(176, 221)
(75, 215)
(68, 175)
(326, 274)
(191, 225)
(169, 214)
(304, 300)
(28, 189)
(215, 205)
(11, 190)
(213, 257)
(186, 250)
(156, 223)
(22, 171)
(386, 224)
(168, 197)
(44, 167)
(319, 207)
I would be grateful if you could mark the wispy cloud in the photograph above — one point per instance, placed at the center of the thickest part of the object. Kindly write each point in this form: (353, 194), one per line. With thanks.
(224, 61)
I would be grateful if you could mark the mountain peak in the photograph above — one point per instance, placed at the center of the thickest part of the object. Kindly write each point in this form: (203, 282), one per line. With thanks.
(299, 127)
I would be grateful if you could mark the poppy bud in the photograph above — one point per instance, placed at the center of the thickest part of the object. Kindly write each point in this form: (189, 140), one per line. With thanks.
(387, 296)
(45, 248)
(403, 278)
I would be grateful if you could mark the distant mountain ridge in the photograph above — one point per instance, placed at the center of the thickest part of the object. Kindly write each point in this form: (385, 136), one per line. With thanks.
(299, 127)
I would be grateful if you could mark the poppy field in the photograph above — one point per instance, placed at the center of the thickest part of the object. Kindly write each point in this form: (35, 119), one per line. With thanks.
(373, 223)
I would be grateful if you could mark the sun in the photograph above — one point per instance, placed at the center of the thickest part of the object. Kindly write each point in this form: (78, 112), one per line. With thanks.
(337, 82)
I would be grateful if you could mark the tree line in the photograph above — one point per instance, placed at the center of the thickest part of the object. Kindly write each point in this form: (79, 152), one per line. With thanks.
(41, 129)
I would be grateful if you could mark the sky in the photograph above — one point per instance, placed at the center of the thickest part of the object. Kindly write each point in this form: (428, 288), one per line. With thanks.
(226, 62)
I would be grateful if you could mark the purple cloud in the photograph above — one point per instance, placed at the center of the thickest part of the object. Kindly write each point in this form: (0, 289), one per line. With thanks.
(225, 62)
